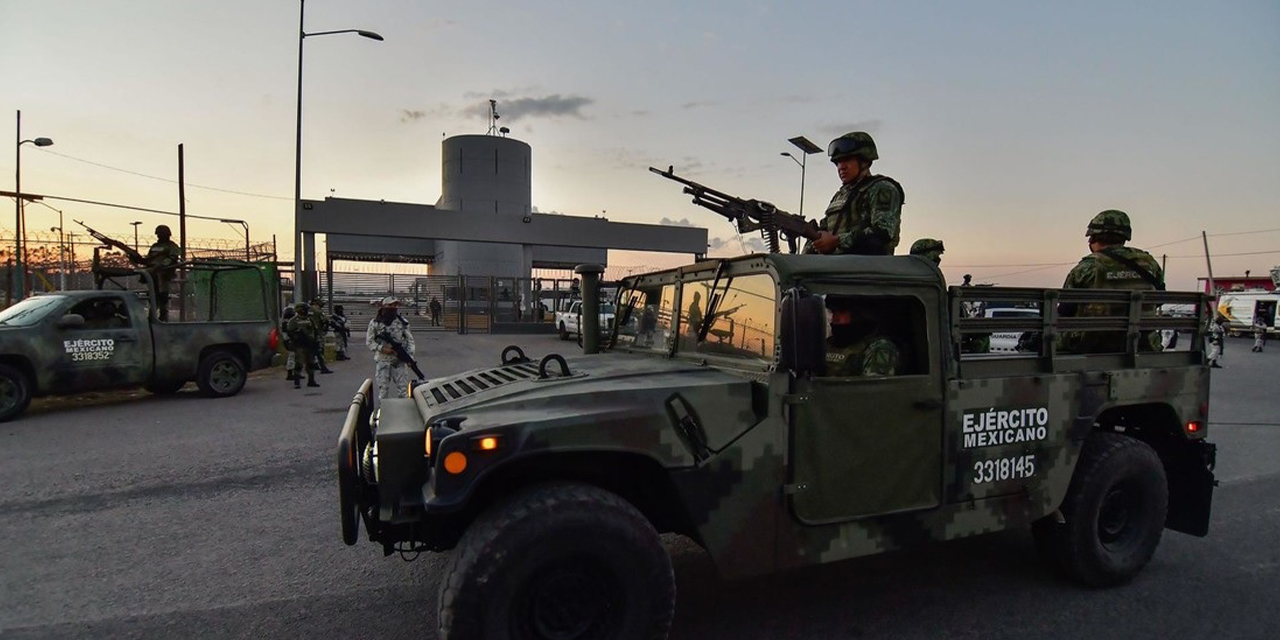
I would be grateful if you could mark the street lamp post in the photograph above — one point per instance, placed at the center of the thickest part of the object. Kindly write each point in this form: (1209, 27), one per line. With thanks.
(246, 234)
(135, 224)
(297, 183)
(807, 148)
(19, 231)
(62, 256)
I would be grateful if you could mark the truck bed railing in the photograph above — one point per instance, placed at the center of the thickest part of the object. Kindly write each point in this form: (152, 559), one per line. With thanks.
(1134, 313)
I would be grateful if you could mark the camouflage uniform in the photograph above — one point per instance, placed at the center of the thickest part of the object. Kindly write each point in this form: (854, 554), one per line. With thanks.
(872, 356)
(161, 260)
(390, 375)
(340, 332)
(321, 322)
(1106, 269)
(864, 215)
(302, 333)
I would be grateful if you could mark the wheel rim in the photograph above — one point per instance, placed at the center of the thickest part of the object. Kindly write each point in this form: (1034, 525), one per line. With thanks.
(1119, 517)
(10, 395)
(570, 600)
(224, 376)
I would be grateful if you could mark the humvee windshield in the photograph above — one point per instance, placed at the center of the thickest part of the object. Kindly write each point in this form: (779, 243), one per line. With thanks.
(29, 311)
(741, 325)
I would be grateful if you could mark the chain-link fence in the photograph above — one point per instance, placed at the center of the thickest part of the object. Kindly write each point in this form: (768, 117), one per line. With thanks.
(55, 262)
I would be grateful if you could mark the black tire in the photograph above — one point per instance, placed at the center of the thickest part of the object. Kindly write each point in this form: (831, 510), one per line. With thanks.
(564, 332)
(559, 561)
(220, 374)
(15, 392)
(166, 388)
(1114, 513)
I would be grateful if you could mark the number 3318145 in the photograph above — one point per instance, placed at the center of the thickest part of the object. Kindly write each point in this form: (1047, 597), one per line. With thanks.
(1002, 469)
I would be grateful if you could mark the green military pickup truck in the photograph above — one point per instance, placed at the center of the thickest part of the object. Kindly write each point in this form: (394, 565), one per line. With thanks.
(76, 341)
(552, 480)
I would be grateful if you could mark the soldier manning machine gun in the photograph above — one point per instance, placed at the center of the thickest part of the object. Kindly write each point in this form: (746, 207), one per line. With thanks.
(749, 215)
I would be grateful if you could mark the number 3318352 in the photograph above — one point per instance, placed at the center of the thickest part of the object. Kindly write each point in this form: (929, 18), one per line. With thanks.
(1002, 469)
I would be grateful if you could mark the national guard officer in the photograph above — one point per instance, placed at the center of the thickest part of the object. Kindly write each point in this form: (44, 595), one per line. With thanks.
(390, 374)
(929, 249)
(302, 333)
(865, 214)
(1111, 265)
(858, 345)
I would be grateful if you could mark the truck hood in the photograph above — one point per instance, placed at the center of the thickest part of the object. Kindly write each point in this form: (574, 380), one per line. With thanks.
(611, 396)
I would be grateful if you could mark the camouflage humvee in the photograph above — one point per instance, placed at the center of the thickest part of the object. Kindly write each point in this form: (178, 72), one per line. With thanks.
(552, 480)
(112, 338)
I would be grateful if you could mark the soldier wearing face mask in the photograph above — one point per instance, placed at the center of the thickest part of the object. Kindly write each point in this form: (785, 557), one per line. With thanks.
(390, 374)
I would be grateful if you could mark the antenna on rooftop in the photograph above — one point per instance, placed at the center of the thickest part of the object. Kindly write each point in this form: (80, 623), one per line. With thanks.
(493, 118)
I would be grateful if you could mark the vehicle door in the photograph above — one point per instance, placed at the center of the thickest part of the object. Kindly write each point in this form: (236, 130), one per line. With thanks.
(110, 349)
(866, 445)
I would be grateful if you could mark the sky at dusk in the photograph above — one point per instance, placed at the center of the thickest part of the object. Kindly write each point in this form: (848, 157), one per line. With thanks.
(1009, 124)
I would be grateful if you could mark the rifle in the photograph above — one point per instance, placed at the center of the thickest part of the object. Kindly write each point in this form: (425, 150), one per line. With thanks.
(133, 254)
(340, 328)
(750, 215)
(385, 338)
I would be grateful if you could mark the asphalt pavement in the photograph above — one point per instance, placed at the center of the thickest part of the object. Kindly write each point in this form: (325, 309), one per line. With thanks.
(135, 516)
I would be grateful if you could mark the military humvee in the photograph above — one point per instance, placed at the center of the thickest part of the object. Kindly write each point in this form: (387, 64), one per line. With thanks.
(76, 341)
(552, 480)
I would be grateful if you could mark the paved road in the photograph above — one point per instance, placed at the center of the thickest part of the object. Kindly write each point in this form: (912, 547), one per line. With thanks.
(187, 517)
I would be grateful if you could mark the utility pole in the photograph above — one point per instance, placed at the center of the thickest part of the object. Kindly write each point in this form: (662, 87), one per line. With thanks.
(1213, 290)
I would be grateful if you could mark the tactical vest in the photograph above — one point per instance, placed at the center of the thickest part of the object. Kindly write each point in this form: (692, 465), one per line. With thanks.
(852, 208)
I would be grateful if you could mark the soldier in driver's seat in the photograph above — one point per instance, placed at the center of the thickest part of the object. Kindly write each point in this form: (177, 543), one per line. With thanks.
(861, 342)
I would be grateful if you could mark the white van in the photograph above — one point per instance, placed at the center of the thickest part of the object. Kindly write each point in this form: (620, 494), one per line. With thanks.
(1240, 308)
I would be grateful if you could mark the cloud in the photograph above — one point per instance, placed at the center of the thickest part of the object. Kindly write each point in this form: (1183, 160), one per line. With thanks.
(699, 104)
(737, 245)
(870, 125)
(682, 222)
(412, 115)
(512, 109)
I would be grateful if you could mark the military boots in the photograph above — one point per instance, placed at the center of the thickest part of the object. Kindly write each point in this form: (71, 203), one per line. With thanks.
(311, 379)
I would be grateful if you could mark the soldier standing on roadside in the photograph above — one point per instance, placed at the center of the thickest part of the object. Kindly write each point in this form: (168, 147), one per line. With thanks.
(865, 214)
(1111, 265)
(291, 361)
(390, 374)
(434, 306)
(340, 331)
(1217, 337)
(321, 322)
(302, 333)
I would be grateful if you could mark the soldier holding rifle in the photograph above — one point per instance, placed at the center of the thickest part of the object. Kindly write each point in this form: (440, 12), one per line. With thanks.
(391, 342)
(865, 214)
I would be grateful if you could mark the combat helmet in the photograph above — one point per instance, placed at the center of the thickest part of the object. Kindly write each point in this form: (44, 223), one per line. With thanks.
(301, 307)
(928, 248)
(163, 231)
(1110, 222)
(855, 144)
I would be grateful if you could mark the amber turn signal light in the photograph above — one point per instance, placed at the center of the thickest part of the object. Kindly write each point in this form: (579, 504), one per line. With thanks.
(488, 443)
(455, 462)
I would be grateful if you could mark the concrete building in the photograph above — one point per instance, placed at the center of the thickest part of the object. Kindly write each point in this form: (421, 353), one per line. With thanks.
(482, 224)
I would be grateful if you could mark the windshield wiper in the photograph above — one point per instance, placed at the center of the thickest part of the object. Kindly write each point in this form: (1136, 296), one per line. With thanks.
(713, 302)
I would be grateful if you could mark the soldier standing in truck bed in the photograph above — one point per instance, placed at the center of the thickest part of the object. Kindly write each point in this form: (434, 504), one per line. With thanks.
(866, 213)
(1111, 265)
(161, 260)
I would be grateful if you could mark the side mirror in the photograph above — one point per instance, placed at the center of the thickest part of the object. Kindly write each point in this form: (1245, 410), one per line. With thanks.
(804, 331)
(71, 321)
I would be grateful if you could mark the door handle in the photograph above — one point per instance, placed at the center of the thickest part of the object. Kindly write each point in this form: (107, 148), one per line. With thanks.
(927, 405)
